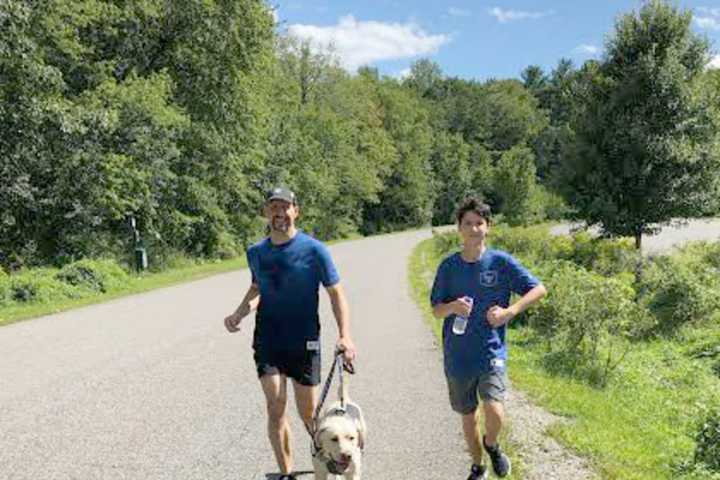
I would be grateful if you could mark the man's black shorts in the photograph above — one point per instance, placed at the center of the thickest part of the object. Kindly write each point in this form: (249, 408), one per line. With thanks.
(302, 366)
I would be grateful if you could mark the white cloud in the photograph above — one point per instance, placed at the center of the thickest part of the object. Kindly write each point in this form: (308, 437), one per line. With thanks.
(403, 74)
(714, 62)
(505, 16)
(713, 12)
(587, 49)
(363, 43)
(458, 12)
(709, 20)
(710, 23)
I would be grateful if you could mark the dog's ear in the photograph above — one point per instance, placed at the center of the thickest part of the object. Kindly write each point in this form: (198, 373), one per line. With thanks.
(361, 435)
(318, 435)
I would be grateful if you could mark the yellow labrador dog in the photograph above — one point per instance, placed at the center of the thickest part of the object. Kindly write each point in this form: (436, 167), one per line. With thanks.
(339, 440)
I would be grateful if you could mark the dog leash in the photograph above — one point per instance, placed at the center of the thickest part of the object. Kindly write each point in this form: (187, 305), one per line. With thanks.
(338, 364)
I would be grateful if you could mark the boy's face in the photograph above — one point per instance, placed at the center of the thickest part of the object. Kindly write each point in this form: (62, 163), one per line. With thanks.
(281, 215)
(473, 228)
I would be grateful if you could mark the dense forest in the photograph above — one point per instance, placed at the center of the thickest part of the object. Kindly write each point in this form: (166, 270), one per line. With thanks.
(180, 114)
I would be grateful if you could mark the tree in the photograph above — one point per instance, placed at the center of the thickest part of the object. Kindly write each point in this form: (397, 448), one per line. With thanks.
(407, 197)
(646, 148)
(534, 78)
(515, 186)
(425, 77)
(453, 177)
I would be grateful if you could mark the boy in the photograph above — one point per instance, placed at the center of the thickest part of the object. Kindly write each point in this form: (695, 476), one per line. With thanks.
(476, 284)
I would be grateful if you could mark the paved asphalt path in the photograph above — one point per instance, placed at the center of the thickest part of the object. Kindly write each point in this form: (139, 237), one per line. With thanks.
(153, 387)
(672, 235)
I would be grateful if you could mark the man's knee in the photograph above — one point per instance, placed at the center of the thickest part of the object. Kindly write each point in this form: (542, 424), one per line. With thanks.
(276, 409)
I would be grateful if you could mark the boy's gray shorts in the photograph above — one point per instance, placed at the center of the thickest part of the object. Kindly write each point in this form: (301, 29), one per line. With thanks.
(464, 392)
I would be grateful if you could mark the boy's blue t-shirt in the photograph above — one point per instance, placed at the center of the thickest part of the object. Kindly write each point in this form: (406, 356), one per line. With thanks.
(289, 277)
(489, 281)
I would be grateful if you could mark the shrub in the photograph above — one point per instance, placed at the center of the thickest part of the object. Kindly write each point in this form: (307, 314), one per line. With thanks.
(93, 275)
(528, 243)
(40, 285)
(681, 290)
(4, 288)
(707, 450)
(588, 319)
(604, 255)
(445, 243)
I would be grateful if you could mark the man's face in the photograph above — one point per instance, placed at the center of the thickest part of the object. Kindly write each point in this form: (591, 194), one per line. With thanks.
(281, 215)
(473, 228)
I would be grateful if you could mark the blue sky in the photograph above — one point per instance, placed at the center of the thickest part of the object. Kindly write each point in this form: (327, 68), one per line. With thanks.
(469, 38)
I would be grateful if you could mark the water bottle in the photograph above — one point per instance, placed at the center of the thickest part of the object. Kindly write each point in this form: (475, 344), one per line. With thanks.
(460, 323)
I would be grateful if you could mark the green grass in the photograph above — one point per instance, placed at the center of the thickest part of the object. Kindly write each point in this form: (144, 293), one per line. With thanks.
(641, 425)
(421, 271)
(137, 284)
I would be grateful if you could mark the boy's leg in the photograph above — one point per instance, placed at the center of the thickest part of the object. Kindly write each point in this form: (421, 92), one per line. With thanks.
(472, 436)
(464, 400)
(492, 389)
(494, 418)
(274, 387)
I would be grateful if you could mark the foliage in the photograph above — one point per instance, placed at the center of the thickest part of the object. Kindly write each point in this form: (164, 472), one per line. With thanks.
(588, 320)
(95, 275)
(39, 285)
(707, 451)
(682, 289)
(515, 186)
(646, 132)
(4, 288)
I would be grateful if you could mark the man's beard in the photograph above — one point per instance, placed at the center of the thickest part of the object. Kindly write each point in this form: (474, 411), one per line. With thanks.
(280, 225)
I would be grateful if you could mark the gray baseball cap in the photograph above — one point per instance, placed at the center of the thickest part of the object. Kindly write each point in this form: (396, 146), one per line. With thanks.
(281, 193)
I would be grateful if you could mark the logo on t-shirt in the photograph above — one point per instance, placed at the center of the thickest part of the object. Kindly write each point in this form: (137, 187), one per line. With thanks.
(489, 278)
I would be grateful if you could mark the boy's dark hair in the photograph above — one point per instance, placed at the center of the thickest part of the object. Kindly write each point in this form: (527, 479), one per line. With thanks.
(473, 204)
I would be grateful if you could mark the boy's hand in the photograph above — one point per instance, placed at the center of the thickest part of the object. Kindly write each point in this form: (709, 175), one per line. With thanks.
(461, 307)
(498, 316)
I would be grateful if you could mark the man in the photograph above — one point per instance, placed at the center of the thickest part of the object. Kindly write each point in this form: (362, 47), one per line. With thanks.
(287, 269)
(476, 284)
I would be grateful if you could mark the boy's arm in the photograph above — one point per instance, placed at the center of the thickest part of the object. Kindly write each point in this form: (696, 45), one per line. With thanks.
(498, 316)
(457, 306)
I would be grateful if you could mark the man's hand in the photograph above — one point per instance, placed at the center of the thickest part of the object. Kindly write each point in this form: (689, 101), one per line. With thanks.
(498, 316)
(347, 347)
(232, 322)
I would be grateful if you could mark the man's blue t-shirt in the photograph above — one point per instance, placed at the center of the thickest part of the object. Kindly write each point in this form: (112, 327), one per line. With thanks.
(490, 280)
(289, 276)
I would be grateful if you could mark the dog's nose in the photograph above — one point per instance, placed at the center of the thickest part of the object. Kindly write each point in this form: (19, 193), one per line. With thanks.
(344, 457)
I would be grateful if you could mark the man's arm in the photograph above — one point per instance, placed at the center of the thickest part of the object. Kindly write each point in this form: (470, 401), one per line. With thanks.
(498, 316)
(249, 303)
(342, 317)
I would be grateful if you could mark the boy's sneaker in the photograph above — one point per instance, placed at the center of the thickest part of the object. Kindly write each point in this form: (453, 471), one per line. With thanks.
(478, 472)
(500, 461)
(287, 477)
